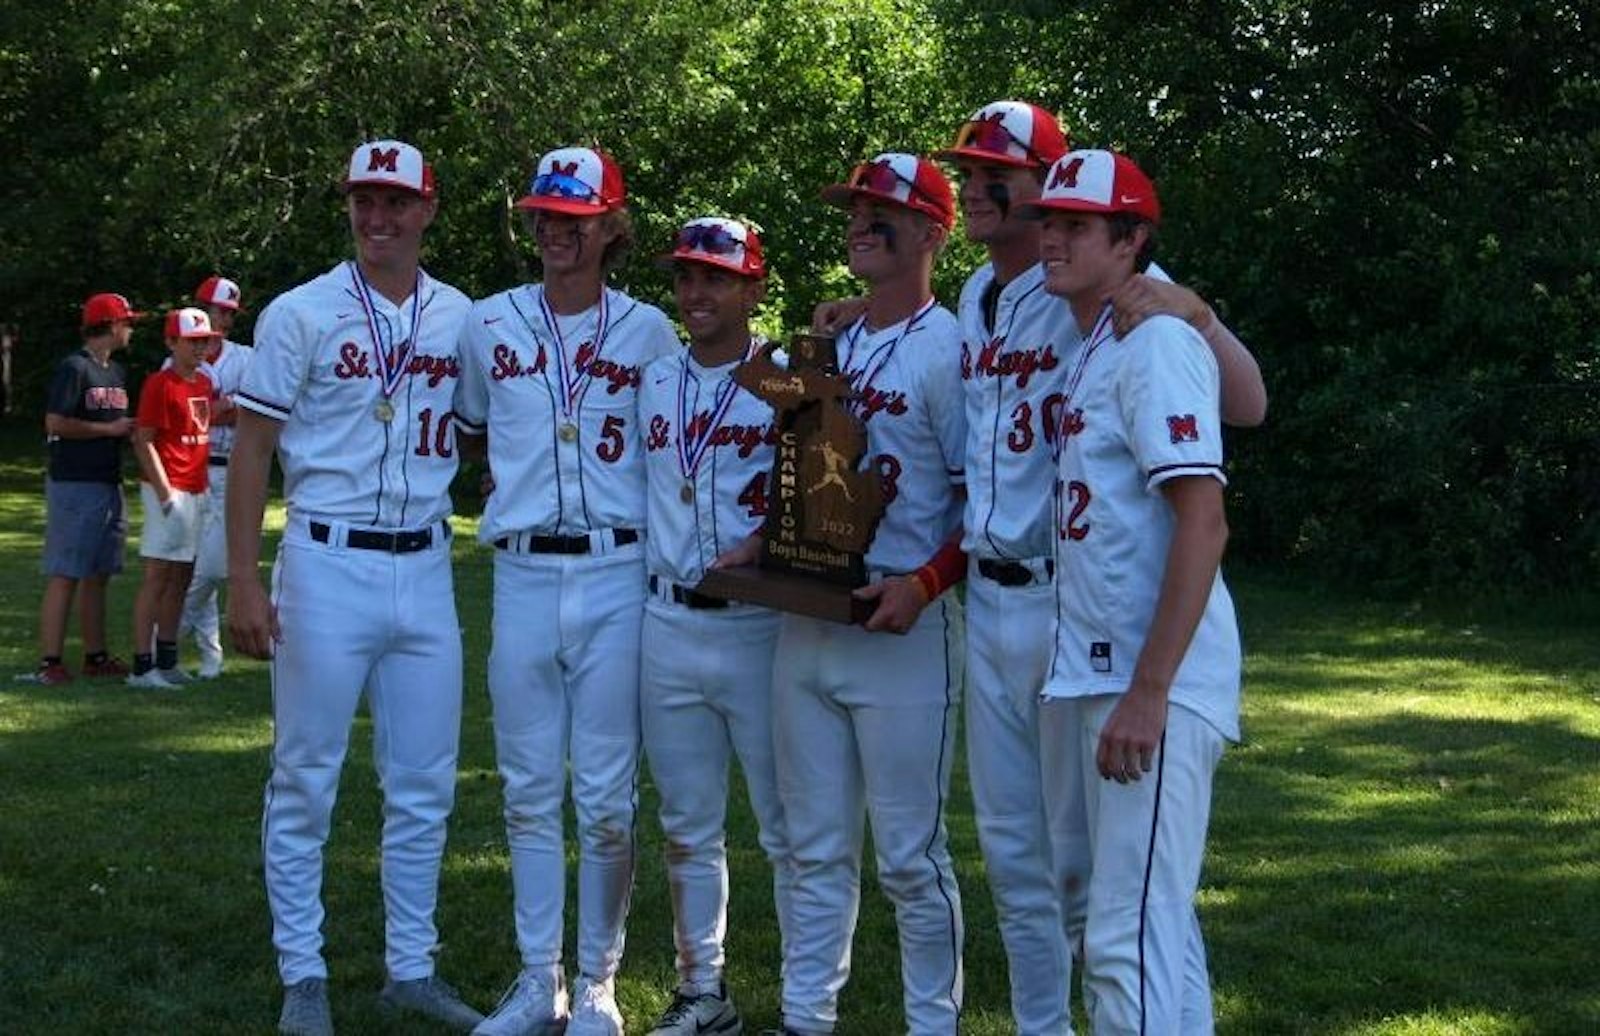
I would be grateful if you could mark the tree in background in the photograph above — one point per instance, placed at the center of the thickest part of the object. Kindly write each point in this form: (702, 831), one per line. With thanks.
(1396, 208)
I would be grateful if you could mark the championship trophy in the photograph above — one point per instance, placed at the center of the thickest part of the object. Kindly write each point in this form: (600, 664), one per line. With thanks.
(821, 511)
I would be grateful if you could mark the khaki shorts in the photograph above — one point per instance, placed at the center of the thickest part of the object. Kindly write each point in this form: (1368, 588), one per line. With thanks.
(173, 535)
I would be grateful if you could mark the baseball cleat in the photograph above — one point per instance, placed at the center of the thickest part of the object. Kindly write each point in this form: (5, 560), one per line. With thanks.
(431, 997)
(176, 677)
(47, 675)
(535, 1005)
(594, 1009)
(698, 1014)
(112, 666)
(305, 1007)
(150, 679)
(209, 670)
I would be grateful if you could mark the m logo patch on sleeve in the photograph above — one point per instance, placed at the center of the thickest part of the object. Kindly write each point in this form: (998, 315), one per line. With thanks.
(1100, 656)
(1183, 428)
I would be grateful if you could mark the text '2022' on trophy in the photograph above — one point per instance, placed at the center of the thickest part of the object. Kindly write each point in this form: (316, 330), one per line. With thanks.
(821, 510)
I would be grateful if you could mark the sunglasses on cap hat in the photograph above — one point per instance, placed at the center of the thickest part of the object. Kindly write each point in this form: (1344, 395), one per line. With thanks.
(992, 137)
(561, 185)
(718, 242)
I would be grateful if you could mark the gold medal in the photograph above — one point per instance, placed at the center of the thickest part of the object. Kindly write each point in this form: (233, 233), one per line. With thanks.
(569, 432)
(384, 411)
(686, 494)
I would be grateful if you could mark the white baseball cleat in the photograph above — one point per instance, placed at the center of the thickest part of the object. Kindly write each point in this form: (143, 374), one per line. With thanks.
(700, 1014)
(176, 677)
(535, 1005)
(594, 1009)
(151, 679)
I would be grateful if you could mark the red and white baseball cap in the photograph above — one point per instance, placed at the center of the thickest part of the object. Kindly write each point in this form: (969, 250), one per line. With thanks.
(1095, 181)
(219, 292)
(905, 179)
(1012, 133)
(723, 243)
(188, 323)
(389, 163)
(105, 308)
(577, 181)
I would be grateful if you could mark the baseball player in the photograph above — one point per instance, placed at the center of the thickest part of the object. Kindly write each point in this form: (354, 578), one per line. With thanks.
(352, 385)
(865, 722)
(225, 365)
(1143, 689)
(706, 663)
(1018, 345)
(551, 371)
(86, 420)
(171, 445)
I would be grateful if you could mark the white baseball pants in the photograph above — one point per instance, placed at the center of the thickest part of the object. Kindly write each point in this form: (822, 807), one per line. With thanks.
(1010, 640)
(866, 727)
(200, 613)
(1144, 958)
(564, 679)
(357, 620)
(706, 696)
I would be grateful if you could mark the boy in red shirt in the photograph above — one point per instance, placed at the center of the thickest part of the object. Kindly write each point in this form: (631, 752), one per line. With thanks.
(171, 444)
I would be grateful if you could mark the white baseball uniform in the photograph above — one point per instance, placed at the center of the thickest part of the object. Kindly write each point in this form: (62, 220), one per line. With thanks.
(211, 565)
(706, 664)
(1141, 410)
(557, 396)
(363, 592)
(865, 722)
(1015, 372)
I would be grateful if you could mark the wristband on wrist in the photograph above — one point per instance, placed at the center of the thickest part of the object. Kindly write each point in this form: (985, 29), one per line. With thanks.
(945, 569)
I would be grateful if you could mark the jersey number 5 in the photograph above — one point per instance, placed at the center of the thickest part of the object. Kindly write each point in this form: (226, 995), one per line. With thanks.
(611, 440)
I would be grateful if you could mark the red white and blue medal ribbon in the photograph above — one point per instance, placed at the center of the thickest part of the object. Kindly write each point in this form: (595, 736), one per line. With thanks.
(1098, 335)
(693, 439)
(869, 370)
(573, 383)
(391, 360)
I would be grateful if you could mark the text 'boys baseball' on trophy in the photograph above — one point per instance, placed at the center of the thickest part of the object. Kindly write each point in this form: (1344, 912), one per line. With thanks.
(822, 511)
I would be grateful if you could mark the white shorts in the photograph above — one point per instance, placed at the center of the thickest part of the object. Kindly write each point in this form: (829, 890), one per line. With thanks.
(172, 535)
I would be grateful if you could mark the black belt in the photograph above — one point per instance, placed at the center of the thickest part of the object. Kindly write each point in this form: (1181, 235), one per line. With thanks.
(536, 544)
(217, 462)
(407, 541)
(1013, 573)
(687, 597)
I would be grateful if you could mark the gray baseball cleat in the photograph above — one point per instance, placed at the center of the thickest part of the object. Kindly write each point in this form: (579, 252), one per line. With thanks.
(700, 1014)
(431, 997)
(305, 1008)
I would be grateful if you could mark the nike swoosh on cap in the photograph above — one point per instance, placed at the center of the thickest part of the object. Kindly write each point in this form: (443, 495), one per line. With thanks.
(1131, 201)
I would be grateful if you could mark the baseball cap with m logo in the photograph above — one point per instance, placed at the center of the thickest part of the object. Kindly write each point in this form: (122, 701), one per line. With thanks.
(389, 163)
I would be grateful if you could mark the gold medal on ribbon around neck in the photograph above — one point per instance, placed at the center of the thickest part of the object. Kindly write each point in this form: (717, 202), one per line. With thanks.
(569, 432)
(384, 411)
(686, 494)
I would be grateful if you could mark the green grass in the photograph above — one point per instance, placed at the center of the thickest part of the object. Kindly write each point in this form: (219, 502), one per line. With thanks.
(1407, 844)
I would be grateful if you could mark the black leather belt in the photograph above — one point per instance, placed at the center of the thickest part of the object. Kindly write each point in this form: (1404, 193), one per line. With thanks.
(217, 462)
(407, 541)
(536, 544)
(1013, 573)
(687, 597)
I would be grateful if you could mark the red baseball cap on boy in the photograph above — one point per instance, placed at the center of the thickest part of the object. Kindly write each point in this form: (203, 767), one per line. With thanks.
(106, 308)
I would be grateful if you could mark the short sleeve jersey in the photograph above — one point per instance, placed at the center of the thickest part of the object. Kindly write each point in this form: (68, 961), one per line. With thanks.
(315, 369)
(1014, 372)
(85, 389)
(558, 396)
(1146, 410)
(179, 412)
(227, 374)
(907, 378)
(707, 489)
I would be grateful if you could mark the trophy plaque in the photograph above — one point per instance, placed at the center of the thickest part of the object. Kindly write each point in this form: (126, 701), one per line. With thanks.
(821, 511)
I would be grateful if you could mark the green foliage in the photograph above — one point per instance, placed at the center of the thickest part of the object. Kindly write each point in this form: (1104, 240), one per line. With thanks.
(1395, 208)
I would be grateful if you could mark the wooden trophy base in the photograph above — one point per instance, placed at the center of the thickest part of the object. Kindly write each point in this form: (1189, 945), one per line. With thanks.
(785, 592)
